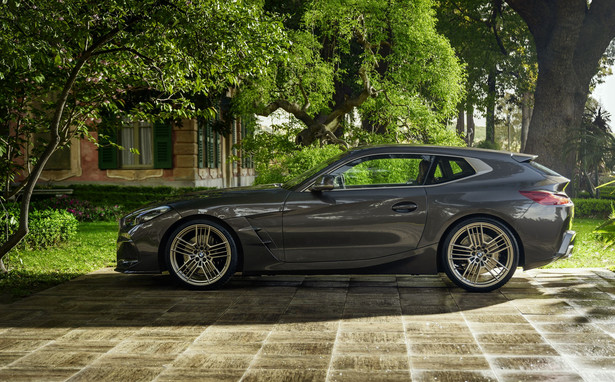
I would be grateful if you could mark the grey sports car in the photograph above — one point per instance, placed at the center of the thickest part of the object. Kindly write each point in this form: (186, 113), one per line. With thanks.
(475, 214)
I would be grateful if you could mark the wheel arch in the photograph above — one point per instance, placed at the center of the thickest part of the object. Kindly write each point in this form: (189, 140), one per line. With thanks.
(480, 215)
(167, 235)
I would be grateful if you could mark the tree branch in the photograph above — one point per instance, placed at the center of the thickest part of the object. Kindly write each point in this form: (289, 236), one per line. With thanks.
(289, 107)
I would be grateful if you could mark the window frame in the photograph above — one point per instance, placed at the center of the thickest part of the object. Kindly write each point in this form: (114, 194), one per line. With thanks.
(136, 127)
(368, 157)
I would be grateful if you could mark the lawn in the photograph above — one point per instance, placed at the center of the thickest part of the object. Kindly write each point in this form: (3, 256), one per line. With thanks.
(94, 248)
(588, 252)
(35, 270)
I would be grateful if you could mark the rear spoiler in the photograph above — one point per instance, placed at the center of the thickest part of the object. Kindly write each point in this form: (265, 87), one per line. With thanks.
(523, 158)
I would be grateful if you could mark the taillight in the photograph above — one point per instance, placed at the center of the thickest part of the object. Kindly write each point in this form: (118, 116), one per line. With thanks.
(546, 198)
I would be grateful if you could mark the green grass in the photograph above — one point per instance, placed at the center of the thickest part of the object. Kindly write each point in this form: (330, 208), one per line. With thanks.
(588, 251)
(35, 270)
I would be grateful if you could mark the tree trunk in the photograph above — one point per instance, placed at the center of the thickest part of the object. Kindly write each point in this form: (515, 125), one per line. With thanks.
(570, 37)
(558, 109)
(526, 115)
(460, 122)
(471, 125)
(491, 100)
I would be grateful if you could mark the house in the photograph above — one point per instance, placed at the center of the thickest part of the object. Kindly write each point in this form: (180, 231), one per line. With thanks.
(192, 153)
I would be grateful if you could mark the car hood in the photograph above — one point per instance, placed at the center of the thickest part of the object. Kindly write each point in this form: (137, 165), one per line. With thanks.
(231, 202)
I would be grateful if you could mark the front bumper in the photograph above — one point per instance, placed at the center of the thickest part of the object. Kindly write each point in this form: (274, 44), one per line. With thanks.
(138, 247)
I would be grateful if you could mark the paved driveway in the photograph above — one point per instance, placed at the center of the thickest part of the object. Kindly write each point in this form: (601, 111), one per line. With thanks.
(556, 325)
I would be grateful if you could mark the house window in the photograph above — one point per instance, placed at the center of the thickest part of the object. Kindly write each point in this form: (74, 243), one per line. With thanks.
(153, 142)
(137, 140)
(60, 159)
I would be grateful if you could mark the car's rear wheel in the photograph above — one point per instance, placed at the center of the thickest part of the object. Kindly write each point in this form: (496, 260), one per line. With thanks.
(480, 254)
(201, 254)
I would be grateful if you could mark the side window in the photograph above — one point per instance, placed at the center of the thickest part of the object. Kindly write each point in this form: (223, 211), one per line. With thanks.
(383, 170)
(449, 168)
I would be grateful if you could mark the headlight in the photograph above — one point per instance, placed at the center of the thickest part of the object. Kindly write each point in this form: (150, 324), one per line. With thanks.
(142, 216)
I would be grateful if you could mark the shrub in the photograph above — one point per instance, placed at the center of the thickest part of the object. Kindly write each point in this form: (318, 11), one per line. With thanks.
(606, 231)
(109, 202)
(607, 193)
(600, 208)
(489, 145)
(80, 209)
(47, 227)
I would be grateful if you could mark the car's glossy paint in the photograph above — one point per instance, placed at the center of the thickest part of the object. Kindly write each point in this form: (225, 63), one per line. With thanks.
(384, 230)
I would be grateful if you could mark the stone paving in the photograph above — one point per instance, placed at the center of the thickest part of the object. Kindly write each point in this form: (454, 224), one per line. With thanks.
(555, 325)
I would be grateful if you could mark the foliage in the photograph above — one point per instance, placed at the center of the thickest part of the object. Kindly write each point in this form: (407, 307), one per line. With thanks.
(32, 270)
(382, 171)
(496, 48)
(587, 208)
(607, 192)
(278, 158)
(47, 227)
(488, 145)
(82, 210)
(384, 59)
(606, 231)
(593, 143)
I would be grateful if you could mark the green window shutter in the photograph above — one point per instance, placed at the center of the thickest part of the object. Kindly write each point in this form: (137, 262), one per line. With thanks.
(218, 141)
(107, 155)
(201, 151)
(234, 141)
(163, 145)
(209, 139)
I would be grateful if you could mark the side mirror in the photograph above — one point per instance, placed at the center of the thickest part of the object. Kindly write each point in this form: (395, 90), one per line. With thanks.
(323, 183)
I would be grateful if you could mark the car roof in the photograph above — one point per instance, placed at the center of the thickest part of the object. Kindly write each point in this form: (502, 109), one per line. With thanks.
(470, 152)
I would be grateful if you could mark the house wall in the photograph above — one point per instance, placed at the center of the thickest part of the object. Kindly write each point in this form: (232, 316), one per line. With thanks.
(185, 172)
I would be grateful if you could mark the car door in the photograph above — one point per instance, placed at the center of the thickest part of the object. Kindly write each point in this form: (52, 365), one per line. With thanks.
(377, 208)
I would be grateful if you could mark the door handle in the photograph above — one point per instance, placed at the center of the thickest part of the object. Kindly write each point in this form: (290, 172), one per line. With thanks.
(404, 207)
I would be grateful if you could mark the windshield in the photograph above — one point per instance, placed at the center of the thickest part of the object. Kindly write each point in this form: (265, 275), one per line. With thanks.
(292, 183)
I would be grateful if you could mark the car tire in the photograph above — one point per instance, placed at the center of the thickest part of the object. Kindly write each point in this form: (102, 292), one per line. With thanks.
(201, 254)
(480, 254)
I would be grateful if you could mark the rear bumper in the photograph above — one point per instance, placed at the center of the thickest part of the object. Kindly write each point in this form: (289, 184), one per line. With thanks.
(565, 249)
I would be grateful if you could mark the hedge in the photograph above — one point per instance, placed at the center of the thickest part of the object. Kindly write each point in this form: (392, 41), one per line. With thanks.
(593, 208)
(128, 197)
(47, 227)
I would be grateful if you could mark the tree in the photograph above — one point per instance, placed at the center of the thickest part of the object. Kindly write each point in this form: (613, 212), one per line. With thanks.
(384, 59)
(65, 63)
(570, 37)
(593, 145)
(494, 44)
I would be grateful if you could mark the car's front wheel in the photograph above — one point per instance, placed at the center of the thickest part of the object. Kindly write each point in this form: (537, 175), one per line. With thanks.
(201, 254)
(480, 254)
